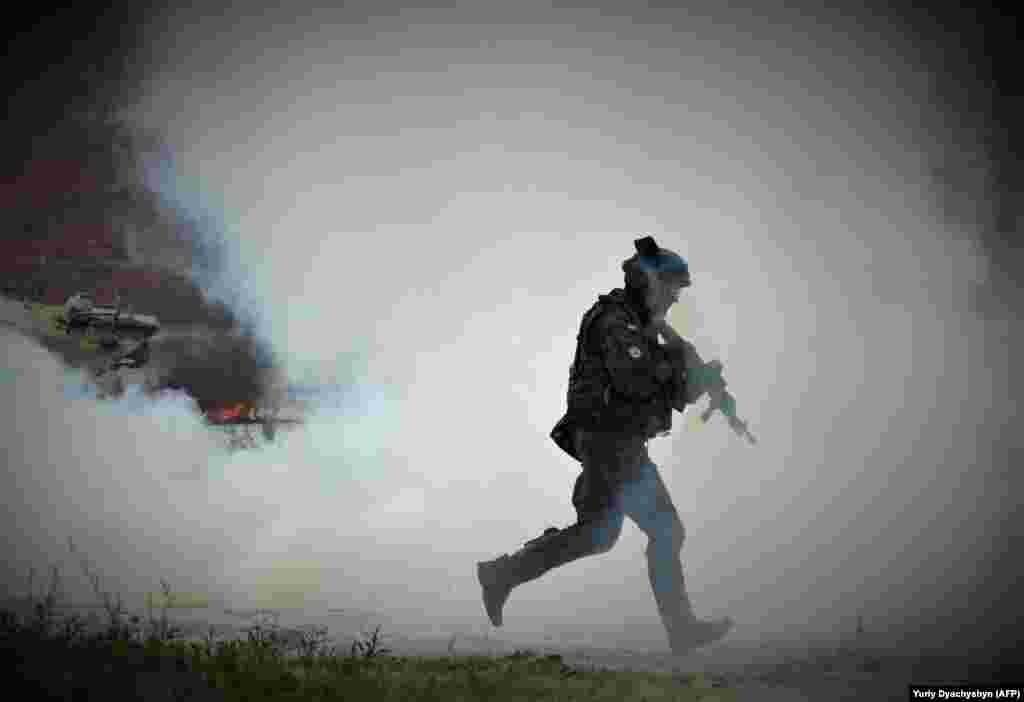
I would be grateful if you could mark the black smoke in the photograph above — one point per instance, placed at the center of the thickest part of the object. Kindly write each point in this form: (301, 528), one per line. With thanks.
(73, 79)
(216, 369)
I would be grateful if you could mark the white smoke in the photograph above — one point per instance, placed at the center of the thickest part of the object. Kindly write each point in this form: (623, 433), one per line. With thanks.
(147, 491)
(446, 198)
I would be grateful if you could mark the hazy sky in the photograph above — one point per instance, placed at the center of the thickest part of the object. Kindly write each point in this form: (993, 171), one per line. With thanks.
(443, 193)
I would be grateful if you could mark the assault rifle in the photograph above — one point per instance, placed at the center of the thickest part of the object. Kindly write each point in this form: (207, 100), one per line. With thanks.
(701, 377)
(722, 400)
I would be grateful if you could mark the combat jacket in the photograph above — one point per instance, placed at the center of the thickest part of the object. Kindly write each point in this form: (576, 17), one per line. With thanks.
(622, 379)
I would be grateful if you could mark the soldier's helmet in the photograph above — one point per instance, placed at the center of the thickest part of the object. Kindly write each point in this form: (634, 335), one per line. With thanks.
(651, 259)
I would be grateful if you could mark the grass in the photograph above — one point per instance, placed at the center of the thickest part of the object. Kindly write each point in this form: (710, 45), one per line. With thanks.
(124, 657)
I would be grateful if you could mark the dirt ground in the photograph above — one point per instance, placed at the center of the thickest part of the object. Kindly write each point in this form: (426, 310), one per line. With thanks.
(764, 671)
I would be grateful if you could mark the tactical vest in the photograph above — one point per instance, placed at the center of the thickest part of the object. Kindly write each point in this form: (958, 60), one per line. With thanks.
(591, 400)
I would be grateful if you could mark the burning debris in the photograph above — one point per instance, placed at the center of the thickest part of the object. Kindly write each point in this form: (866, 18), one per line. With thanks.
(215, 368)
(80, 312)
(123, 334)
(231, 379)
(241, 419)
(231, 413)
(97, 206)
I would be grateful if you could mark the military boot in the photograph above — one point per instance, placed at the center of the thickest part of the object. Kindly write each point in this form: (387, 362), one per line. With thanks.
(499, 576)
(697, 633)
(685, 631)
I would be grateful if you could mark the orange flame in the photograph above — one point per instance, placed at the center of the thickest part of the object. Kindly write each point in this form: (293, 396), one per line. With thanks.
(230, 412)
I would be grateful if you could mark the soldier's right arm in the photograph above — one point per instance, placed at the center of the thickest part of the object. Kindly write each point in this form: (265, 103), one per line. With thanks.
(627, 356)
(684, 354)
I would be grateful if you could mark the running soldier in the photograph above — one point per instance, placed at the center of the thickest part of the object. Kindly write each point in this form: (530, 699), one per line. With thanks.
(631, 370)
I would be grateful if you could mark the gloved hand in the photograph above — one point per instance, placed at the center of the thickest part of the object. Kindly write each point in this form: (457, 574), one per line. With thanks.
(711, 379)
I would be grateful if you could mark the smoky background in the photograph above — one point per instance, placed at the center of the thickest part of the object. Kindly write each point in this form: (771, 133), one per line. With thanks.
(423, 202)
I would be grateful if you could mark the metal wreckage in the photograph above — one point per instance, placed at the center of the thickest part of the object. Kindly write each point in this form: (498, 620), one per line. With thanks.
(122, 341)
(122, 335)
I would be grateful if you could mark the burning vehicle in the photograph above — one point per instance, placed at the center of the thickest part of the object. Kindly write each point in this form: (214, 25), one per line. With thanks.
(80, 313)
(241, 419)
(123, 335)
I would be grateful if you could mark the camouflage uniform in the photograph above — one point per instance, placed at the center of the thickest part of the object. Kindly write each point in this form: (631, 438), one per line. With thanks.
(623, 387)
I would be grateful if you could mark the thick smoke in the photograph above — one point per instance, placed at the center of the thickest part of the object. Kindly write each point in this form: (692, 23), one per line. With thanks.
(148, 491)
(153, 232)
(77, 160)
(457, 188)
(215, 369)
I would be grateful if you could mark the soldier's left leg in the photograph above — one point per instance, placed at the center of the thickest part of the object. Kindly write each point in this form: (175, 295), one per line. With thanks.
(594, 534)
(647, 502)
(597, 528)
